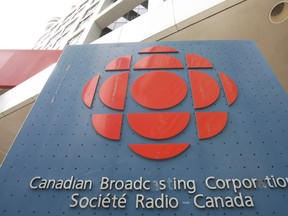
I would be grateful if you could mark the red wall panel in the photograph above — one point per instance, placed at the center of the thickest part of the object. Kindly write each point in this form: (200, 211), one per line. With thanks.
(17, 66)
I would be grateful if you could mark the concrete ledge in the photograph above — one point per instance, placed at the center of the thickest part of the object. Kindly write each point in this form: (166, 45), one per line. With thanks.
(24, 93)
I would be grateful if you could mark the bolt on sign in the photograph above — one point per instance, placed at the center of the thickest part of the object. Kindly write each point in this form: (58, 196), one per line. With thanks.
(165, 128)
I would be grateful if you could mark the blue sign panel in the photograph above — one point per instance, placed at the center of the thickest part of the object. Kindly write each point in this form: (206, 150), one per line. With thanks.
(166, 128)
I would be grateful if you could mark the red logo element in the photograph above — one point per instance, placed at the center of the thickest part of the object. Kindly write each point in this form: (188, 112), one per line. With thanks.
(159, 90)
(158, 126)
(114, 97)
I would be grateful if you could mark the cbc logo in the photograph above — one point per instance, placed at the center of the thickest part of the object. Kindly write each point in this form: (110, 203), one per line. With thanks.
(158, 90)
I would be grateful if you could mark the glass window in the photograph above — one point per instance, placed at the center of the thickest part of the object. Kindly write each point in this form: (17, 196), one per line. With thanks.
(133, 14)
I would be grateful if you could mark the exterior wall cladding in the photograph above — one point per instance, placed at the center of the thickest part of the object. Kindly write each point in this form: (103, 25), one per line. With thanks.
(108, 21)
(89, 20)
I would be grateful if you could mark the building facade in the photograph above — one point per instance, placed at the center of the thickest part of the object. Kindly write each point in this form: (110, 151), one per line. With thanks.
(83, 24)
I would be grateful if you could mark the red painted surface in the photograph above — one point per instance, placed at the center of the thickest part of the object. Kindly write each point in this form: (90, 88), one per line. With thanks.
(121, 63)
(159, 90)
(210, 124)
(16, 66)
(196, 61)
(159, 151)
(230, 88)
(162, 125)
(89, 90)
(159, 49)
(113, 91)
(205, 89)
(108, 125)
(158, 61)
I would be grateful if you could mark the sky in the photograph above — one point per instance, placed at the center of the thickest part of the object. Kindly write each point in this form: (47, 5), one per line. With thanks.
(22, 22)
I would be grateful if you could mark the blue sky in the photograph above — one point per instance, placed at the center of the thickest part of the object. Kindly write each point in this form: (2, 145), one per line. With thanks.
(22, 22)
